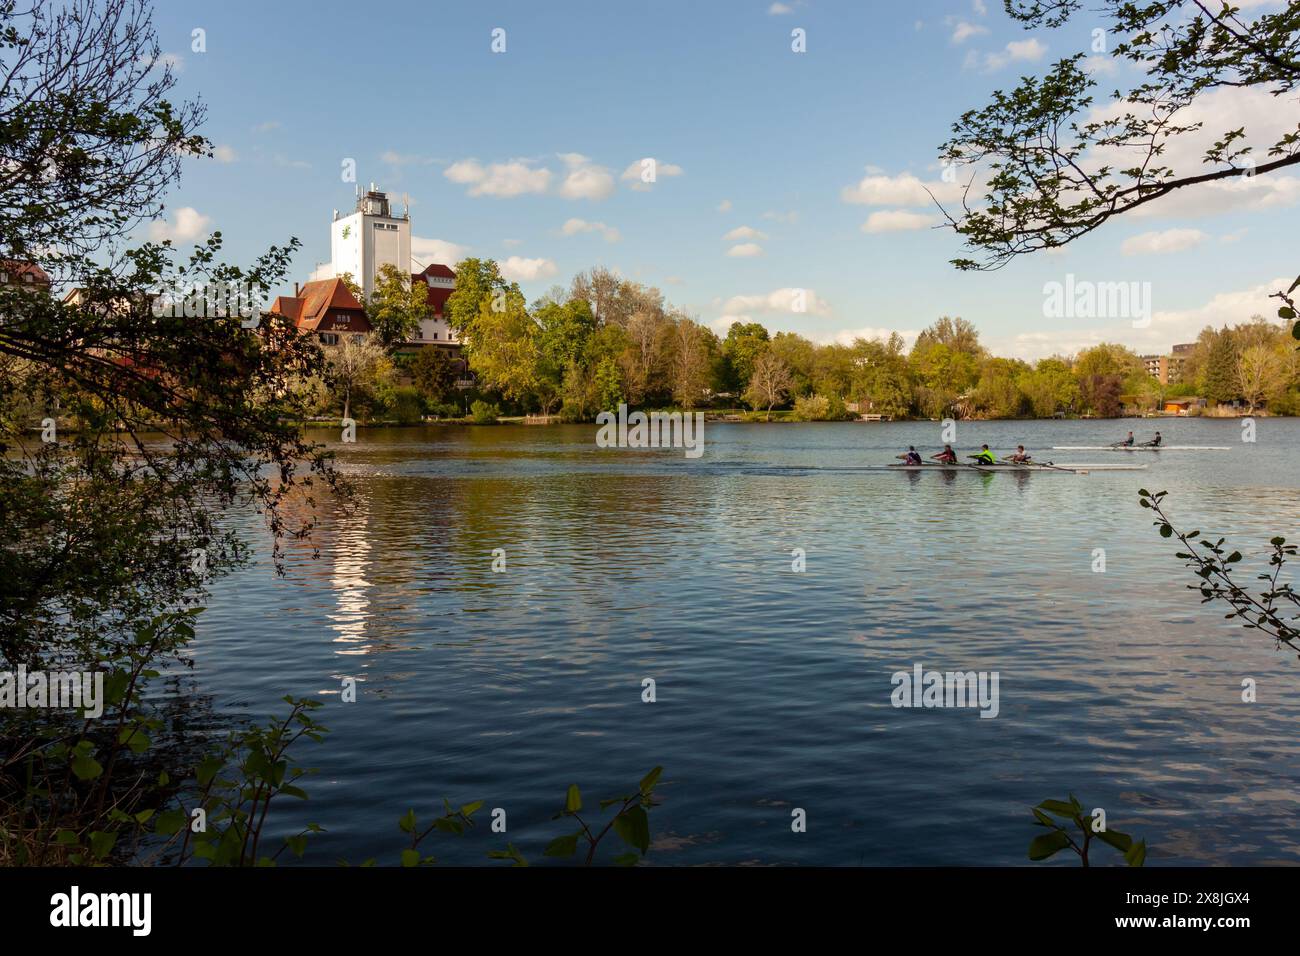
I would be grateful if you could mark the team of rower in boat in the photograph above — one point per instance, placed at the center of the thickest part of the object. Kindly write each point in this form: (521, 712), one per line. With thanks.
(986, 457)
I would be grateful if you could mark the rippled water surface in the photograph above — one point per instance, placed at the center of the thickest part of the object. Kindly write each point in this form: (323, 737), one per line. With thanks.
(773, 687)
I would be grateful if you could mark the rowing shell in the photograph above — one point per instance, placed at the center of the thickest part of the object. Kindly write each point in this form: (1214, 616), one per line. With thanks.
(1141, 448)
(1077, 467)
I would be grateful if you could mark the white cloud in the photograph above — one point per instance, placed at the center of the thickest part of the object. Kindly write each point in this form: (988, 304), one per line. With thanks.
(510, 243)
(1098, 65)
(499, 180)
(724, 206)
(189, 224)
(573, 227)
(1217, 111)
(518, 269)
(1167, 327)
(426, 251)
(777, 9)
(963, 31)
(897, 220)
(585, 179)
(746, 250)
(223, 154)
(980, 8)
(744, 232)
(632, 175)
(404, 159)
(1017, 51)
(1155, 243)
(778, 300)
(786, 217)
(901, 190)
(267, 126)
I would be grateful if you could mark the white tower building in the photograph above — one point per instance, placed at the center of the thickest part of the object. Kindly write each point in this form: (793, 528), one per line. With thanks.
(370, 238)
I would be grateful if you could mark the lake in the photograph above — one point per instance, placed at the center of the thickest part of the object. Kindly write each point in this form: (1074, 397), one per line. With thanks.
(773, 686)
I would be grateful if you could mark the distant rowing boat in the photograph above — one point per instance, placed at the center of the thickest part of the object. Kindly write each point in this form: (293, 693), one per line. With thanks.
(1076, 467)
(1141, 448)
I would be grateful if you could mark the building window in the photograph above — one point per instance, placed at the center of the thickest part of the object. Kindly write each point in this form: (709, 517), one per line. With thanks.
(358, 339)
(329, 338)
(435, 335)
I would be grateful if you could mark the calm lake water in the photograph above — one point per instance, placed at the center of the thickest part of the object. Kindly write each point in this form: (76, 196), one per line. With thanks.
(773, 687)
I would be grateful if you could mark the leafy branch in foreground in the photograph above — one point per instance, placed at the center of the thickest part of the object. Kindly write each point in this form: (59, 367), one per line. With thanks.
(1264, 611)
(631, 822)
(1049, 844)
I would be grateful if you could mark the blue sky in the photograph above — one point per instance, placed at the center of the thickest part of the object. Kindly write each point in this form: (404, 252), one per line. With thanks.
(498, 151)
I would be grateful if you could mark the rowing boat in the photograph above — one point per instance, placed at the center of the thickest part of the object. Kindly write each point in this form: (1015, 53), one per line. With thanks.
(1076, 467)
(1141, 448)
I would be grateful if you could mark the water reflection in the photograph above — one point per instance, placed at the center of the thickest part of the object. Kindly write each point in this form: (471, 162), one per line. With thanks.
(773, 683)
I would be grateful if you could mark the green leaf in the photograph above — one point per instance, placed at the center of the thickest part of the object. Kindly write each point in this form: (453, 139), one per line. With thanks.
(1120, 841)
(1058, 807)
(626, 859)
(297, 845)
(289, 790)
(410, 857)
(101, 844)
(1136, 855)
(649, 780)
(1048, 844)
(169, 822)
(509, 853)
(1043, 818)
(86, 767)
(633, 825)
(1166, 531)
(564, 846)
(573, 800)
(407, 823)
(207, 770)
(469, 809)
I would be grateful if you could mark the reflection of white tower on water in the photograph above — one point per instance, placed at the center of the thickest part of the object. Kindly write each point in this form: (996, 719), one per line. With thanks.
(349, 585)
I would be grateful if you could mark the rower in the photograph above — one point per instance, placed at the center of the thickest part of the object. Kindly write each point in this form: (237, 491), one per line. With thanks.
(1155, 442)
(1128, 441)
(1020, 457)
(947, 456)
(984, 456)
(913, 457)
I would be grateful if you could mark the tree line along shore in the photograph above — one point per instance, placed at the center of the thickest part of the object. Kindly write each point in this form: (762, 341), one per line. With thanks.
(603, 340)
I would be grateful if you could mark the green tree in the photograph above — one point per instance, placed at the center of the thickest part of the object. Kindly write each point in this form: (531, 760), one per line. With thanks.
(479, 283)
(397, 306)
(740, 348)
(770, 384)
(434, 373)
(1221, 370)
(1057, 165)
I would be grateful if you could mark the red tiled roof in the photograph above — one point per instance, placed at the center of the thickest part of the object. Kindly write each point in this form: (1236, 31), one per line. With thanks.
(325, 305)
(12, 268)
(288, 306)
(437, 295)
